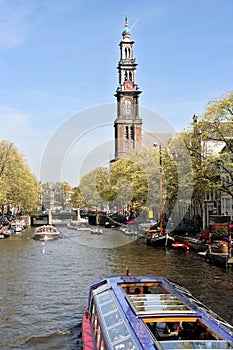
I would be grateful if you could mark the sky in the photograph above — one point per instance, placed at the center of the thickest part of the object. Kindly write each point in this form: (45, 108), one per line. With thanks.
(58, 62)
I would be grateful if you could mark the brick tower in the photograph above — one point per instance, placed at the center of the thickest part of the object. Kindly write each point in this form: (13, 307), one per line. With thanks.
(128, 124)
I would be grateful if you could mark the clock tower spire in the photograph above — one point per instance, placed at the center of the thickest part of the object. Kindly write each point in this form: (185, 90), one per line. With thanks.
(128, 124)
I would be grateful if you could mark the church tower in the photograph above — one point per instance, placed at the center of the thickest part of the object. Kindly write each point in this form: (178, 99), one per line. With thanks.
(128, 124)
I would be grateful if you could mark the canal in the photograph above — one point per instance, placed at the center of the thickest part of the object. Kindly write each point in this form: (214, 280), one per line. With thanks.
(44, 285)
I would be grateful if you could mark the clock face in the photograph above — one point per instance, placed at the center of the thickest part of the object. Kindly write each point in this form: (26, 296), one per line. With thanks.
(128, 86)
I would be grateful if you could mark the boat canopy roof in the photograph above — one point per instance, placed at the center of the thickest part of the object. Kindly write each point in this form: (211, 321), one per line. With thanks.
(124, 316)
(158, 304)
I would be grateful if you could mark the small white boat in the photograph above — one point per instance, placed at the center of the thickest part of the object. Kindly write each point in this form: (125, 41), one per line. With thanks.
(17, 227)
(128, 231)
(78, 224)
(46, 233)
(97, 231)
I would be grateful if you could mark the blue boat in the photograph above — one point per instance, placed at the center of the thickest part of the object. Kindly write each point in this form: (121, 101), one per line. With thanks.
(150, 312)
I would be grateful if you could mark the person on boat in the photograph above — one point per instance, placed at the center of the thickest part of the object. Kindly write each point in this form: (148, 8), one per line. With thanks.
(160, 327)
(169, 328)
(137, 291)
(146, 290)
(174, 327)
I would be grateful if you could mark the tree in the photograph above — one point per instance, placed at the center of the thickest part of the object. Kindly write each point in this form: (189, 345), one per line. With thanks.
(210, 146)
(217, 125)
(18, 186)
(134, 182)
(130, 183)
(93, 187)
(77, 200)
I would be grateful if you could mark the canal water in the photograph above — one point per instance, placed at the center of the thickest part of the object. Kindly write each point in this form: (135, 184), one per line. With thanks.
(44, 285)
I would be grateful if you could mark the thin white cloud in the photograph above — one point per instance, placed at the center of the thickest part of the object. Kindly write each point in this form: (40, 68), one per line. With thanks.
(14, 24)
(17, 19)
(13, 122)
(31, 141)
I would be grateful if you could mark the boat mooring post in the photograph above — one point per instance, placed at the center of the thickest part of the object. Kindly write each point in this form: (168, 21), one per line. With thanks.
(50, 217)
(229, 241)
(160, 189)
(210, 242)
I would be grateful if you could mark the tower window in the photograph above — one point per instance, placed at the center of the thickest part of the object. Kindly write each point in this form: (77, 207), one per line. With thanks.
(127, 107)
(127, 132)
(132, 132)
(130, 76)
(127, 52)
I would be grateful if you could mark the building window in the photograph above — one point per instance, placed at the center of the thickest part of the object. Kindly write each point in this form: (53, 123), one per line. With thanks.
(127, 132)
(132, 131)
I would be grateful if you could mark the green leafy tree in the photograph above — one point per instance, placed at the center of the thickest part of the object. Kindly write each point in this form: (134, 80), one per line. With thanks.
(210, 146)
(135, 182)
(18, 186)
(130, 183)
(217, 125)
(93, 187)
(77, 200)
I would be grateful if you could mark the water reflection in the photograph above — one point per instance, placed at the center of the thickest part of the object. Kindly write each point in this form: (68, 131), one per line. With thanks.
(44, 286)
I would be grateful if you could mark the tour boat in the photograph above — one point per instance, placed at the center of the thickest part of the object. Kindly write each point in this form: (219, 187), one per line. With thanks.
(46, 233)
(150, 312)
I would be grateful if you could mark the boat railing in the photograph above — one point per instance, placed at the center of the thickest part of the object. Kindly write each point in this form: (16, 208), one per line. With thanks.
(209, 311)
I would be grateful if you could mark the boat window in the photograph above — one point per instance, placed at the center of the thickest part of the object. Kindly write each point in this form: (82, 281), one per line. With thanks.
(101, 288)
(106, 297)
(117, 332)
(109, 307)
(150, 304)
(111, 320)
(197, 344)
(145, 288)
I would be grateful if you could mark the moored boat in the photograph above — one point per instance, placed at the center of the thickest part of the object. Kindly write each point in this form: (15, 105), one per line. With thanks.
(6, 232)
(17, 225)
(193, 243)
(150, 312)
(46, 233)
(158, 238)
(180, 246)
